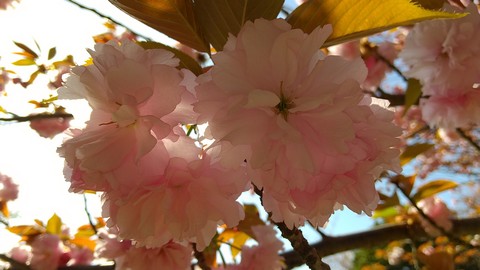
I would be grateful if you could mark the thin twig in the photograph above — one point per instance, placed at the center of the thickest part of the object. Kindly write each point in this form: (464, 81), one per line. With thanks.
(468, 139)
(201, 261)
(108, 18)
(36, 116)
(90, 221)
(431, 221)
(391, 65)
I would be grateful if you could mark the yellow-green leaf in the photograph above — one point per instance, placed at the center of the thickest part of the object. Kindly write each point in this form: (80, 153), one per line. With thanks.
(174, 18)
(412, 151)
(24, 62)
(25, 230)
(252, 218)
(51, 53)
(353, 19)
(386, 201)
(221, 17)
(413, 93)
(54, 225)
(185, 60)
(432, 188)
(239, 239)
(386, 212)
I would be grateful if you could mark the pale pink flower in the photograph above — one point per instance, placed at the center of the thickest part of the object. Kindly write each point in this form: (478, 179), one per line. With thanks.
(348, 50)
(50, 127)
(47, 253)
(299, 118)
(8, 189)
(263, 256)
(445, 52)
(452, 111)
(187, 203)
(138, 98)
(171, 256)
(80, 256)
(438, 211)
(20, 254)
(110, 247)
(377, 67)
(4, 79)
(4, 4)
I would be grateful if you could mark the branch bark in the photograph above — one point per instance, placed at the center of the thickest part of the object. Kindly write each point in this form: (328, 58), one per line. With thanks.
(379, 236)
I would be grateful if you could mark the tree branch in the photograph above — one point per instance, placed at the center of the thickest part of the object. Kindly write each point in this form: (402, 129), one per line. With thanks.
(377, 237)
(36, 116)
(468, 139)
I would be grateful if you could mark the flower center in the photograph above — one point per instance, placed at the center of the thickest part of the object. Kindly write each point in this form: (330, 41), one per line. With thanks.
(284, 105)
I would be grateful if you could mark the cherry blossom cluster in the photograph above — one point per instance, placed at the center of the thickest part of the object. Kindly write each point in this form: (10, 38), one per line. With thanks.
(445, 56)
(49, 127)
(283, 117)
(8, 189)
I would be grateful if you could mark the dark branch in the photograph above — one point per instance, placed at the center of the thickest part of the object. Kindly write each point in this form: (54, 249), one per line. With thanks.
(36, 116)
(468, 139)
(378, 237)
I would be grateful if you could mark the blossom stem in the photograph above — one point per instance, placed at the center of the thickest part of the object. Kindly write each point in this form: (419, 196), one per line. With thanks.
(108, 18)
(36, 116)
(90, 221)
(431, 221)
(468, 139)
(201, 261)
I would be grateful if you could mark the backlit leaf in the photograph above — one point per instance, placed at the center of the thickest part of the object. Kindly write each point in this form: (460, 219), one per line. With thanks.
(386, 202)
(221, 17)
(174, 18)
(430, 4)
(24, 62)
(252, 218)
(4, 209)
(405, 182)
(386, 212)
(51, 53)
(25, 230)
(30, 52)
(239, 238)
(83, 242)
(413, 93)
(185, 60)
(432, 188)
(412, 151)
(54, 225)
(353, 19)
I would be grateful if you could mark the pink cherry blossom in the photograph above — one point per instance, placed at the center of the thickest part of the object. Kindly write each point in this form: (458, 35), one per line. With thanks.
(8, 189)
(445, 52)
(310, 137)
(47, 253)
(50, 127)
(138, 99)
(4, 4)
(80, 256)
(170, 256)
(187, 203)
(377, 67)
(20, 254)
(452, 111)
(263, 256)
(110, 247)
(348, 50)
(438, 212)
(4, 79)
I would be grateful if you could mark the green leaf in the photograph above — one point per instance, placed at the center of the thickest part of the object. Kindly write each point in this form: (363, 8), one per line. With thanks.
(24, 62)
(413, 93)
(33, 55)
(51, 53)
(353, 19)
(54, 225)
(174, 18)
(221, 17)
(432, 188)
(412, 151)
(185, 60)
(386, 212)
(386, 202)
